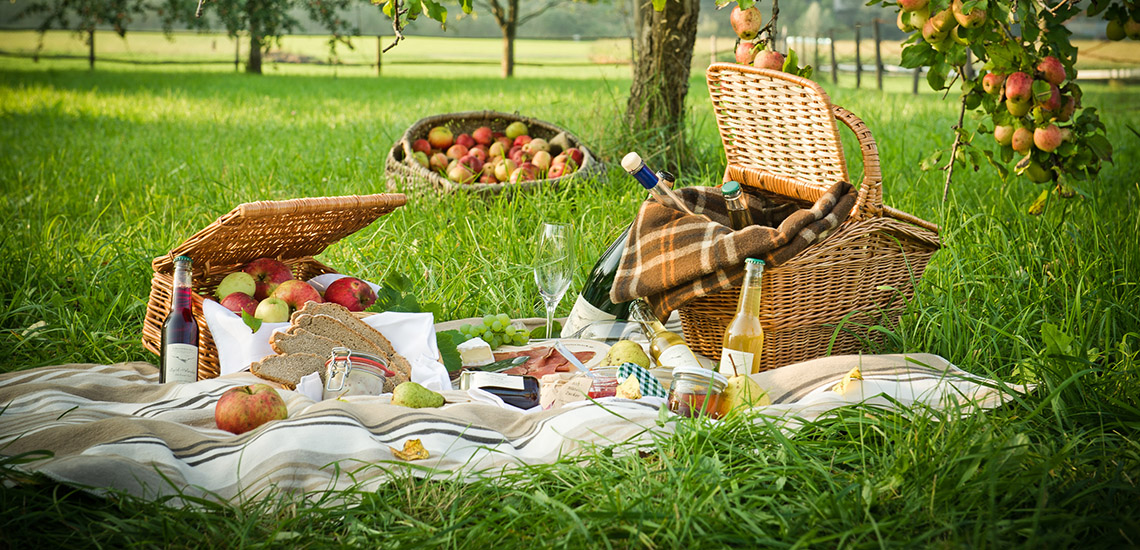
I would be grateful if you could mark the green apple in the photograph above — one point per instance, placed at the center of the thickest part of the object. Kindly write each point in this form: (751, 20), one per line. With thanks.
(272, 310)
(516, 129)
(238, 281)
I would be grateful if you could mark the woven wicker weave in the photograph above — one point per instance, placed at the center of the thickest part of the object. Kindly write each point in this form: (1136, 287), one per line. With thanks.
(292, 230)
(781, 139)
(402, 168)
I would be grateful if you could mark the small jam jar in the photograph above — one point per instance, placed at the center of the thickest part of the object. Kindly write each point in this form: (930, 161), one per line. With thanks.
(603, 382)
(349, 372)
(696, 391)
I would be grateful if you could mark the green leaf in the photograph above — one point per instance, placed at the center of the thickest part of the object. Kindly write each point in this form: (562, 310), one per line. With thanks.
(1100, 146)
(540, 331)
(447, 341)
(1038, 206)
(936, 76)
(435, 11)
(1056, 342)
(658, 5)
(917, 55)
(1041, 91)
(465, 5)
(250, 321)
(931, 161)
(791, 62)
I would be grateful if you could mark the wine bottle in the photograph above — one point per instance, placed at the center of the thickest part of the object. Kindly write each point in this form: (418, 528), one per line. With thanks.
(180, 330)
(593, 303)
(736, 202)
(666, 348)
(744, 337)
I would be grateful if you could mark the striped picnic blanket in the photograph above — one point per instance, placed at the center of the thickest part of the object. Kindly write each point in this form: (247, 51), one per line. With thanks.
(114, 427)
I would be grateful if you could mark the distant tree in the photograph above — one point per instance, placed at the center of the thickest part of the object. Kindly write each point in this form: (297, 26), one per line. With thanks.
(265, 21)
(83, 16)
(506, 14)
(666, 34)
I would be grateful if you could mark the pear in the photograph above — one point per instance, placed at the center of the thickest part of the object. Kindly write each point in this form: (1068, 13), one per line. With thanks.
(742, 392)
(411, 394)
(626, 351)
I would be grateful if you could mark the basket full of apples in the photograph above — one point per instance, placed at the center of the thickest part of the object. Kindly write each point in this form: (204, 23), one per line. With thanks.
(258, 258)
(488, 152)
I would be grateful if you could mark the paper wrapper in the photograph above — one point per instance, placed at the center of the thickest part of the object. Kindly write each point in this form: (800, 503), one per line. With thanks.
(558, 389)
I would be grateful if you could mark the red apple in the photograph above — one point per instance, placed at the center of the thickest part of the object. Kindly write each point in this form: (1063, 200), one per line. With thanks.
(472, 163)
(521, 140)
(465, 140)
(297, 293)
(745, 53)
(1067, 109)
(497, 149)
(460, 174)
(1052, 70)
(438, 161)
(456, 151)
(970, 20)
(912, 5)
(518, 155)
(478, 152)
(244, 408)
(556, 171)
(1003, 134)
(746, 23)
(482, 135)
(351, 293)
(440, 137)
(506, 141)
(525, 172)
(1047, 138)
(421, 145)
(1019, 86)
(504, 169)
(488, 177)
(238, 302)
(535, 145)
(1052, 101)
(1022, 140)
(992, 82)
(542, 160)
(769, 59)
(267, 273)
(575, 154)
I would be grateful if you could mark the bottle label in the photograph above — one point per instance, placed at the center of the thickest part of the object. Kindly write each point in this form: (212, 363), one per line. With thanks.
(678, 356)
(495, 380)
(741, 359)
(581, 315)
(180, 362)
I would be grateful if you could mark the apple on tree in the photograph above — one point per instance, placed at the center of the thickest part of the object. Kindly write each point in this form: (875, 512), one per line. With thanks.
(244, 408)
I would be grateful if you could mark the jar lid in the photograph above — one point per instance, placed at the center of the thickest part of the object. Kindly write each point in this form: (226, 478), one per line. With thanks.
(730, 188)
(700, 372)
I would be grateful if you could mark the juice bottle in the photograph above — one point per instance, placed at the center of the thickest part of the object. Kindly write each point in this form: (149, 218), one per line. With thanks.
(744, 337)
(180, 330)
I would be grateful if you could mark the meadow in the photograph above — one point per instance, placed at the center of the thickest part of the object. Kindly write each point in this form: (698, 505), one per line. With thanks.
(104, 170)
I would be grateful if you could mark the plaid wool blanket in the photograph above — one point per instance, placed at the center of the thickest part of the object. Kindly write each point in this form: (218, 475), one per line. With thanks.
(114, 427)
(673, 257)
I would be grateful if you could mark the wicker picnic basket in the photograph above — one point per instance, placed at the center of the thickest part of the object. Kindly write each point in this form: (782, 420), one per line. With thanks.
(292, 231)
(781, 140)
(402, 168)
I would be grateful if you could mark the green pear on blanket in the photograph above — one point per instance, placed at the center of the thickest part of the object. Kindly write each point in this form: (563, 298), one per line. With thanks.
(413, 395)
(626, 351)
(244, 408)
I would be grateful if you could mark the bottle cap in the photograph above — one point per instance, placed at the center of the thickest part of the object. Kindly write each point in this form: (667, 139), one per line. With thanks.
(730, 188)
(632, 162)
(663, 175)
(754, 261)
(184, 259)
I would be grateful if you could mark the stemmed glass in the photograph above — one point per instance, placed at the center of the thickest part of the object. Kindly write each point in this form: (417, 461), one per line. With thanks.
(553, 266)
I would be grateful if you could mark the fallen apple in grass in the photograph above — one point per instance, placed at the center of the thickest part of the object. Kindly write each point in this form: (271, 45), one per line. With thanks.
(267, 274)
(351, 293)
(244, 408)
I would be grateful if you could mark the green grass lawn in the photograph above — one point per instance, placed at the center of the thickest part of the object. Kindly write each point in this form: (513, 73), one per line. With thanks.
(102, 171)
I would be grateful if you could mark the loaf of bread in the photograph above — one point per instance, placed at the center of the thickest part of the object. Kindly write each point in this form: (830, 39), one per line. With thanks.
(372, 337)
(289, 369)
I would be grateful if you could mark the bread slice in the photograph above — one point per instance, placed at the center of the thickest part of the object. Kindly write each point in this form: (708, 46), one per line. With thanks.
(300, 340)
(341, 314)
(289, 369)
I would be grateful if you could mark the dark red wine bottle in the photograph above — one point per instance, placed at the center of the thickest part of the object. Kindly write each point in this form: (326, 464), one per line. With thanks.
(180, 331)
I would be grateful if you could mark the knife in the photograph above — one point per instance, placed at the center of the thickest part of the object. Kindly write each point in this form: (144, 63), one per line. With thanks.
(503, 364)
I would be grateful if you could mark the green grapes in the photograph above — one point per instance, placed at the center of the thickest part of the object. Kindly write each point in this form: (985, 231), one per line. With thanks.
(496, 330)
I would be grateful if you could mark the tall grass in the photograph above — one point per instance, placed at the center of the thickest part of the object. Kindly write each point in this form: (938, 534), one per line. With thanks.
(103, 171)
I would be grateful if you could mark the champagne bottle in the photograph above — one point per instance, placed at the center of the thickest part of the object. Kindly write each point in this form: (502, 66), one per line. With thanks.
(180, 330)
(593, 303)
(744, 337)
(736, 202)
(666, 348)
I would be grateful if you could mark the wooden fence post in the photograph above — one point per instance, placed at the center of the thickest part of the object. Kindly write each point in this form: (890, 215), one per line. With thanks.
(816, 64)
(858, 60)
(237, 52)
(834, 64)
(914, 86)
(969, 65)
(91, 49)
(878, 55)
(379, 52)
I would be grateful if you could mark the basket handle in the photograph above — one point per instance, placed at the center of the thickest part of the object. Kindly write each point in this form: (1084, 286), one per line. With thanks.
(869, 203)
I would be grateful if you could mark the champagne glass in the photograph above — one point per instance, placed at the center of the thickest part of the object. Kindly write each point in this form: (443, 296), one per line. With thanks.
(553, 266)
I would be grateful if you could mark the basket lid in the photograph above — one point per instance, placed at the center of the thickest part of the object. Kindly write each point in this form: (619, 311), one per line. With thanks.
(294, 228)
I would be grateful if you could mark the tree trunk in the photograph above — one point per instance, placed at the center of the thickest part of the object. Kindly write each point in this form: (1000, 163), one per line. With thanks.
(254, 65)
(508, 50)
(665, 41)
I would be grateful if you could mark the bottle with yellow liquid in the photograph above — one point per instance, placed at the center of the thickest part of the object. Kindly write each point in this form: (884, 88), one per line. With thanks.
(667, 348)
(744, 338)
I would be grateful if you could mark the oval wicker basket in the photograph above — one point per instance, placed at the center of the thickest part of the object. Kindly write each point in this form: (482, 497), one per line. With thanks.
(401, 168)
